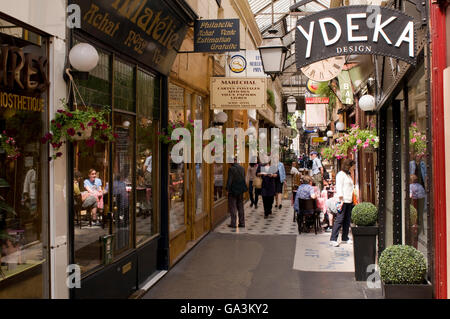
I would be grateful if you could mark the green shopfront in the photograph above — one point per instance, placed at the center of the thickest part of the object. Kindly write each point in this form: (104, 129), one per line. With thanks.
(124, 241)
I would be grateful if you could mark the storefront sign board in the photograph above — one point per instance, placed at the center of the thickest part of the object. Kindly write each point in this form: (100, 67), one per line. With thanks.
(316, 115)
(238, 94)
(216, 35)
(245, 64)
(149, 31)
(317, 100)
(351, 30)
(345, 88)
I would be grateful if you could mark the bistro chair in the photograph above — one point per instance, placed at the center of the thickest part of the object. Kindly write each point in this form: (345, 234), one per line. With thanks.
(307, 214)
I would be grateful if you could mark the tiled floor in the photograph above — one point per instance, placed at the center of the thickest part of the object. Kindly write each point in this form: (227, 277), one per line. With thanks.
(279, 223)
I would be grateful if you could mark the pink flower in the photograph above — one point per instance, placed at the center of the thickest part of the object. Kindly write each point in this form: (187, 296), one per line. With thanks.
(358, 141)
(366, 145)
(424, 138)
(413, 140)
(355, 149)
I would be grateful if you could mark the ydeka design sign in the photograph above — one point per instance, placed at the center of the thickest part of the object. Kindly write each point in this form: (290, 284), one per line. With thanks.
(149, 31)
(355, 30)
(238, 94)
(216, 35)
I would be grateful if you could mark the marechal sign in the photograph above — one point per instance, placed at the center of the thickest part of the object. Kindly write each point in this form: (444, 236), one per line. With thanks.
(216, 35)
(356, 30)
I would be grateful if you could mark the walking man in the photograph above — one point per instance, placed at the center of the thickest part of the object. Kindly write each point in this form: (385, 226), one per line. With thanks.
(317, 170)
(236, 188)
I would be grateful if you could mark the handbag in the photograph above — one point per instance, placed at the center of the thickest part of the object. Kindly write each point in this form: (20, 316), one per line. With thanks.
(257, 182)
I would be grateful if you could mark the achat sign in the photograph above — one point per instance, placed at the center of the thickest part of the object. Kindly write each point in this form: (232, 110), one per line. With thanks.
(355, 30)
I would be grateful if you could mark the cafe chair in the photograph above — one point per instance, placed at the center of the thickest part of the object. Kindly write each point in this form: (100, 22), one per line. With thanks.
(307, 215)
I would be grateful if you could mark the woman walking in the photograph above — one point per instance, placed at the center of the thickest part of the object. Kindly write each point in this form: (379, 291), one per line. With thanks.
(268, 175)
(251, 174)
(344, 193)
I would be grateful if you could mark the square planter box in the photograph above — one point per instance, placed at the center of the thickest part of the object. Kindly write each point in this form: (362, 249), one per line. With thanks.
(364, 249)
(424, 291)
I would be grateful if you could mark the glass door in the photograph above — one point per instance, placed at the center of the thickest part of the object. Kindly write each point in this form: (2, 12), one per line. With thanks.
(123, 186)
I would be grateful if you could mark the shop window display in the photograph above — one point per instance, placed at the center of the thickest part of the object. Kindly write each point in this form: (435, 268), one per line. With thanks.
(147, 219)
(23, 168)
(124, 171)
(418, 177)
(176, 171)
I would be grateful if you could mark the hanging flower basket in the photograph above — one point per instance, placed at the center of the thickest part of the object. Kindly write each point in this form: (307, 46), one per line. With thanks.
(71, 126)
(81, 135)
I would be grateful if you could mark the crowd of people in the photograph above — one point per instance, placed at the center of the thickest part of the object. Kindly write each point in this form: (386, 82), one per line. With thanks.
(333, 197)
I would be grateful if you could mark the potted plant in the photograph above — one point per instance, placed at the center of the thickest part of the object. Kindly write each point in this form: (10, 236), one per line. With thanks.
(403, 269)
(364, 216)
(165, 136)
(8, 146)
(70, 126)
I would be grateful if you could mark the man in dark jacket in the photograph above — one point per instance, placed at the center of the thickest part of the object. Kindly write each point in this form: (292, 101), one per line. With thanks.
(236, 187)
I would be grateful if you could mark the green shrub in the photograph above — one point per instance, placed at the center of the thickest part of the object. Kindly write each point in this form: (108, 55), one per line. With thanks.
(402, 264)
(412, 215)
(365, 214)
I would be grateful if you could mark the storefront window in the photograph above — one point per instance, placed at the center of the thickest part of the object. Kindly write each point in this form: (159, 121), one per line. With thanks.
(198, 174)
(218, 172)
(23, 168)
(123, 188)
(418, 178)
(147, 218)
(107, 209)
(124, 93)
(176, 171)
(91, 176)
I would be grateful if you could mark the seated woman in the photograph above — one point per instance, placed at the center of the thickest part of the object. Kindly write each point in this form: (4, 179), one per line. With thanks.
(93, 186)
(304, 191)
(83, 200)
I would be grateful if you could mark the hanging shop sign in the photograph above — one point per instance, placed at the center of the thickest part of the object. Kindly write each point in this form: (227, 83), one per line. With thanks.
(345, 88)
(149, 31)
(245, 64)
(316, 115)
(317, 100)
(238, 94)
(353, 30)
(23, 79)
(216, 35)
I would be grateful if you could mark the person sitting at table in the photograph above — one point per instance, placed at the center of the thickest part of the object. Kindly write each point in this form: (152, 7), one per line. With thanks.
(304, 191)
(93, 186)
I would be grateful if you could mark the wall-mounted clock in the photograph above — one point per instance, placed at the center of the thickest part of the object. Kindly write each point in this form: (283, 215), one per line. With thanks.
(324, 70)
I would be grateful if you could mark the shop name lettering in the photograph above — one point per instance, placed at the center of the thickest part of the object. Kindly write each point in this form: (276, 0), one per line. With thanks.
(21, 102)
(160, 28)
(406, 36)
(22, 71)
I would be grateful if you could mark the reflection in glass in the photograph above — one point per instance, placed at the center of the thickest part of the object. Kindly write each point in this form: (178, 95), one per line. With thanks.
(417, 160)
(198, 166)
(90, 204)
(123, 188)
(146, 176)
(176, 171)
(23, 182)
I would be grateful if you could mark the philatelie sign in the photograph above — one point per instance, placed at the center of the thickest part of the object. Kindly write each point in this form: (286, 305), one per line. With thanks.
(216, 35)
(238, 93)
(355, 30)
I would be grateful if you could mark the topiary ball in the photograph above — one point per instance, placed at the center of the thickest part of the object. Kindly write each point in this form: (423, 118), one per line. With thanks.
(412, 215)
(365, 214)
(402, 264)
